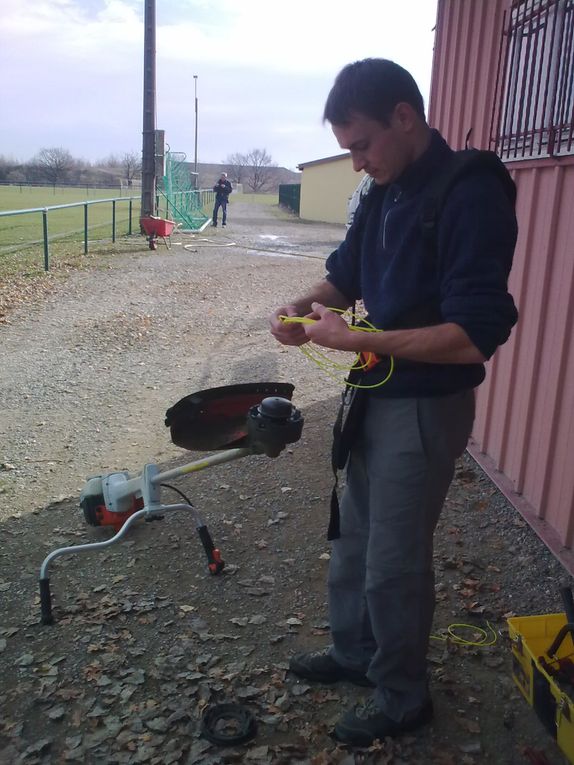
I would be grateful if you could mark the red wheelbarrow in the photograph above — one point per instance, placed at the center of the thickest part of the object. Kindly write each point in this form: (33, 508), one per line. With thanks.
(156, 227)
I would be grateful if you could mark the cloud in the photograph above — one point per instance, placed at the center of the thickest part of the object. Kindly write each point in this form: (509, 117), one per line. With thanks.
(264, 69)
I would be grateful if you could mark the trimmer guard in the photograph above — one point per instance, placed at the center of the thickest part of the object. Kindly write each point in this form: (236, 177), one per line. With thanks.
(216, 418)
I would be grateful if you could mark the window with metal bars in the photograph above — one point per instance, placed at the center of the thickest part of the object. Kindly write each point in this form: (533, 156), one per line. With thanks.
(536, 80)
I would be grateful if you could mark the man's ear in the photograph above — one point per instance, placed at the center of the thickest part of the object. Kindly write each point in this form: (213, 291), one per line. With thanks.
(404, 117)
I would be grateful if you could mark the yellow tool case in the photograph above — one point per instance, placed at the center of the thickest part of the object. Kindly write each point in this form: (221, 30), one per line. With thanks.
(533, 672)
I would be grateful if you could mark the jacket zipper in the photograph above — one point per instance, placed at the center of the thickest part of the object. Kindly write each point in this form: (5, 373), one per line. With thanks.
(395, 200)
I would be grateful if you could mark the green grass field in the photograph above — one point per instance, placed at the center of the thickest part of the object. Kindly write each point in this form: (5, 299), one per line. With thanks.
(16, 231)
(25, 198)
(21, 236)
(256, 199)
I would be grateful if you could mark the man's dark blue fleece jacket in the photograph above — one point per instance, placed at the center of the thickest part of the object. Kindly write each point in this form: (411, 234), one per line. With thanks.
(385, 262)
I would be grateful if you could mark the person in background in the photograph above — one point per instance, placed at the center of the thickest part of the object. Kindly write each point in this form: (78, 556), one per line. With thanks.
(444, 313)
(222, 191)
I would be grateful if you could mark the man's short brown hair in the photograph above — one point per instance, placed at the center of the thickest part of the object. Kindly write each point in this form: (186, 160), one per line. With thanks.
(371, 87)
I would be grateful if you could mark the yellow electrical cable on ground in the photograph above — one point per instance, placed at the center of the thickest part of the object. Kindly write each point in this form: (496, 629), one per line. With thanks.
(326, 364)
(454, 638)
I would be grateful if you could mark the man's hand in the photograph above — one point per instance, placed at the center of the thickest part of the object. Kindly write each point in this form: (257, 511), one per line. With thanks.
(330, 330)
(322, 326)
(285, 332)
(294, 333)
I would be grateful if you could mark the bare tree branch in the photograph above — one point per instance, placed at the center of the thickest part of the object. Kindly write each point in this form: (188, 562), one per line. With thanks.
(55, 164)
(236, 167)
(131, 164)
(259, 169)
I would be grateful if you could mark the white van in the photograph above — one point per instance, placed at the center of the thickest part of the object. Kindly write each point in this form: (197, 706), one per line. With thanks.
(361, 190)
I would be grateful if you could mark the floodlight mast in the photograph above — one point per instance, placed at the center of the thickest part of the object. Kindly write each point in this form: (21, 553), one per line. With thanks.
(149, 113)
(195, 161)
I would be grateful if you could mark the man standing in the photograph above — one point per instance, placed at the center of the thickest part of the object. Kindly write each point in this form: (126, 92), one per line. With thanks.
(444, 310)
(222, 191)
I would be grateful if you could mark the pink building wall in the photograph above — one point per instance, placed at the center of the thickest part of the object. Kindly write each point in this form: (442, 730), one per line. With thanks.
(524, 431)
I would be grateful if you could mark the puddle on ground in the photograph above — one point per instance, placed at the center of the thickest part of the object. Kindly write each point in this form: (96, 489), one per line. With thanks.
(277, 245)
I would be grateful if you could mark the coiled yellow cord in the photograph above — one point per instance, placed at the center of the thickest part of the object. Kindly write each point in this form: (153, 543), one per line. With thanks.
(326, 364)
(454, 638)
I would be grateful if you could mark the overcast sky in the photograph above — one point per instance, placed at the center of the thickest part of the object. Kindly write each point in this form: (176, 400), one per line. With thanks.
(72, 72)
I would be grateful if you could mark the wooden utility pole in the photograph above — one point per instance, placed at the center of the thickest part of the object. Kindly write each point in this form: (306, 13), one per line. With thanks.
(149, 113)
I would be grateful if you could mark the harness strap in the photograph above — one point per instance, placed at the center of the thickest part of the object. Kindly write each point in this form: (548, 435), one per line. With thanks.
(334, 530)
(345, 430)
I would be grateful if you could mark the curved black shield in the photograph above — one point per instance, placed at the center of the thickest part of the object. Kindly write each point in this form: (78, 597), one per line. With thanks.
(216, 418)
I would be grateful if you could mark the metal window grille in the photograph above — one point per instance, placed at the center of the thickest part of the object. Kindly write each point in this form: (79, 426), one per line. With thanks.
(535, 81)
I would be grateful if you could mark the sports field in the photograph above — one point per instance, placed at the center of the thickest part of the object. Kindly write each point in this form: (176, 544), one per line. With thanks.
(22, 237)
(25, 198)
(22, 197)
(26, 229)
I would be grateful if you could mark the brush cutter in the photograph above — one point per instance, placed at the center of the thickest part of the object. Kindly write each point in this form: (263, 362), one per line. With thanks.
(235, 421)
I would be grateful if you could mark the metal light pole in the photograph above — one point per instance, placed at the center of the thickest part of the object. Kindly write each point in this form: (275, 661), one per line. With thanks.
(195, 162)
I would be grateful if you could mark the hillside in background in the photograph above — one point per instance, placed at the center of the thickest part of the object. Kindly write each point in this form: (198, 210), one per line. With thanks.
(209, 173)
(64, 170)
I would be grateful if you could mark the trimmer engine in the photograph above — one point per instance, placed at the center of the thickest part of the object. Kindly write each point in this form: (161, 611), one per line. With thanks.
(94, 507)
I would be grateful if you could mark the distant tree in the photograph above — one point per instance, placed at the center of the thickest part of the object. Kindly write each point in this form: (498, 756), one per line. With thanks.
(132, 165)
(7, 166)
(236, 167)
(110, 161)
(16, 176)
(259, 170)
(54, 164)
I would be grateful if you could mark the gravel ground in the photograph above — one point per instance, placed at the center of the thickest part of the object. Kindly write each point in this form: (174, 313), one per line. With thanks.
(145, 638)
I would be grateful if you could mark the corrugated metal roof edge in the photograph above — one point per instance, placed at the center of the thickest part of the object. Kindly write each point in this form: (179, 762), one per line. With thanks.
(325, 159)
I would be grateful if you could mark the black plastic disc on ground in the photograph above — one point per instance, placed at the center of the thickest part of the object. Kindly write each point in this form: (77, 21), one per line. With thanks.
(228, 724)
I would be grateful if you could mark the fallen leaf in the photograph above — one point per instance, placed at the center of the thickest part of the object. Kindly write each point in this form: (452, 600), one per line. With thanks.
(56, 713)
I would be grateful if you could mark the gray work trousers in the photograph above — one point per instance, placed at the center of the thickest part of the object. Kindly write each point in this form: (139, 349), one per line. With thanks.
(381, 580)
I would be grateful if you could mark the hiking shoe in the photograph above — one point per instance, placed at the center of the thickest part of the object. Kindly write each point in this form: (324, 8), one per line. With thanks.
(319, 666)
(363, 724)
